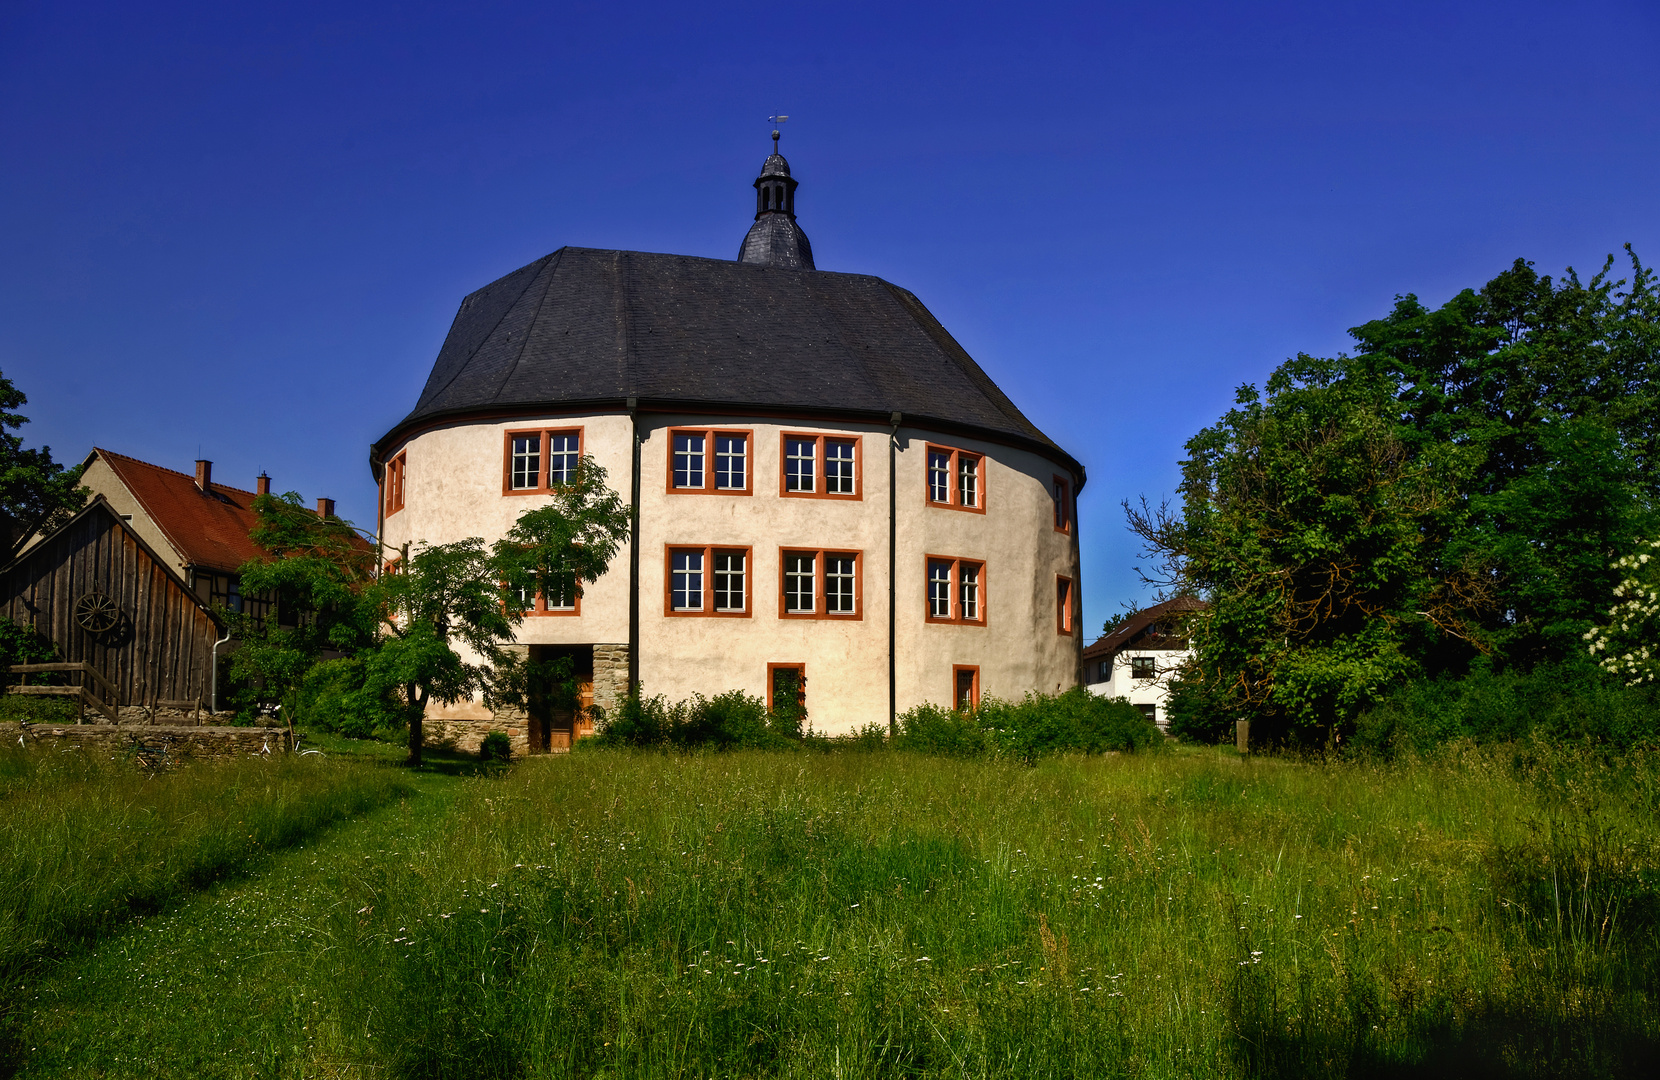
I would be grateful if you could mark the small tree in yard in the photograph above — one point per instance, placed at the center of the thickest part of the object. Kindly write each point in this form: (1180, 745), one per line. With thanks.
(461, 593)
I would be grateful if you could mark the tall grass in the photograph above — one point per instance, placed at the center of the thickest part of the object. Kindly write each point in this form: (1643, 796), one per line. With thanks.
(86, 844)
(872, 915)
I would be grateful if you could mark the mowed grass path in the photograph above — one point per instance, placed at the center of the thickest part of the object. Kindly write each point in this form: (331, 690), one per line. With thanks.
(883, 914)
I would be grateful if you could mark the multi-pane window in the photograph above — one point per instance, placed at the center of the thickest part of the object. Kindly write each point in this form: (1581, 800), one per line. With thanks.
(939, 475)
(956, 591)
(820, 584)
(394, 483)
(800, 579)
(787, 689)
(538, 460)
(1060, 491)
(688, 460)
(955, 479)
(732, 462)
(1143, 667)
(731, 580)
(526, 471)
(707, 581)
(559, 595)
(709, 461)
(800, 457)
(686, 581)
(966, 688)
(821, 466)
(838, 467)
(564, 451)
(1063, 605)
(839, 584)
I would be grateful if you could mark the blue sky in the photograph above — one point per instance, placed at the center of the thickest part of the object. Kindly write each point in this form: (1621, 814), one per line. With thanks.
(242, 230)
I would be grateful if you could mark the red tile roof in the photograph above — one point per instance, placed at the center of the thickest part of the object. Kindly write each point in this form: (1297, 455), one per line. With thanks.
(209, 531)
(1141, 620)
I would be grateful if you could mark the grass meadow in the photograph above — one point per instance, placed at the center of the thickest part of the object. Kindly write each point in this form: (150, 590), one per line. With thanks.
(1490, 913)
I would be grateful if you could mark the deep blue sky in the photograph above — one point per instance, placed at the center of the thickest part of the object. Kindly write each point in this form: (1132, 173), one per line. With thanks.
(245, 228)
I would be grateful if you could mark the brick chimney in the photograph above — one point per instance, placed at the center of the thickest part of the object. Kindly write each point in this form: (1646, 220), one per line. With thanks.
(325, 508)
(204, 475)
(262, 484)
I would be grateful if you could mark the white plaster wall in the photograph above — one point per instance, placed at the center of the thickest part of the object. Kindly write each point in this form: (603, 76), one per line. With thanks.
(100, 479)
(1155, 691)
(452, 489)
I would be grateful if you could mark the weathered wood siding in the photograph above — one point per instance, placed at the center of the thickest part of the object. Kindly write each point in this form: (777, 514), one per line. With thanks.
(164, 648)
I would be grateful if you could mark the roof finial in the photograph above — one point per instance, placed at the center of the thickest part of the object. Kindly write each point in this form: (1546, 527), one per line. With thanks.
(777, 122)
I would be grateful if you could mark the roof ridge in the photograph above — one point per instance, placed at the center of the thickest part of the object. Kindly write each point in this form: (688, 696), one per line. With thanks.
(175, 472)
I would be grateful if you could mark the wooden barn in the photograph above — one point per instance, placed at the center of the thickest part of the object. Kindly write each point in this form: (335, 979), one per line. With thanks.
(108, 600)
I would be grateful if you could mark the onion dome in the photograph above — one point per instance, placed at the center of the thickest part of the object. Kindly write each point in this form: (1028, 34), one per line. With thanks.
(775, 239)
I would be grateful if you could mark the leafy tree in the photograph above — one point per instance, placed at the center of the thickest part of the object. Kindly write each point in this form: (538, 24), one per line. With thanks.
(36, 493)
(1451, 495)
(1628, 644)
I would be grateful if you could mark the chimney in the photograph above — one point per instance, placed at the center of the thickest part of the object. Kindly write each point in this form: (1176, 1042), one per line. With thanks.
(262, 484)
(204, 475)
(325, 508)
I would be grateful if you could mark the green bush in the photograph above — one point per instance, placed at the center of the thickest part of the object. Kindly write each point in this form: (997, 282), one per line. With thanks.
(15, 708)
(1573, 701)
(728, 721)
(333, 698)
(496, 747)
(1033, 727)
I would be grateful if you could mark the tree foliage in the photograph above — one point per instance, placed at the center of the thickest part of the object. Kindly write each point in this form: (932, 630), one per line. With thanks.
(36, 493)
(1627, 645)
(1452, 494)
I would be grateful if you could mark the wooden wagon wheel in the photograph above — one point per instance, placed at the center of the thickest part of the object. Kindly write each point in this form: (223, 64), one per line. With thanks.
(97, 613)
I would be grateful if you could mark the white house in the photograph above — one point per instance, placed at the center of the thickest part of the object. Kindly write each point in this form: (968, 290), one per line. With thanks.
(1138, 660)
(825, 486)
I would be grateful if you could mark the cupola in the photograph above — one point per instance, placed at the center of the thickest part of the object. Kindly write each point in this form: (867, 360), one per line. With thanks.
(775, 239)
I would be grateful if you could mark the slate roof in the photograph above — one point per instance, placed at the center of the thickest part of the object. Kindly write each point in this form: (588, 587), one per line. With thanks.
(209, 531)
(1130, 628)
(583, 327)
(776, 240)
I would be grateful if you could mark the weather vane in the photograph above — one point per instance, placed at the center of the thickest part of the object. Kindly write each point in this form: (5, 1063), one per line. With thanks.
(776, 121)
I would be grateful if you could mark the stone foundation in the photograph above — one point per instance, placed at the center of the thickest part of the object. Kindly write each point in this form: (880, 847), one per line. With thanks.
(466, 736)
(180, 743)
(610, 675)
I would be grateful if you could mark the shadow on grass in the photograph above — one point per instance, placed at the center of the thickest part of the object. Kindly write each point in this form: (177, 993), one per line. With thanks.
(1493, 1045)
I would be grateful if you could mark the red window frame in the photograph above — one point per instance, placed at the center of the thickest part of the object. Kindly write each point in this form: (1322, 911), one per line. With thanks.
(953, 490)
(957, 672)
(956, 563)
(541, 487)
(392, 480)
(819, 441)
(819, 605)
(801, 674)
(708, 551)
(539, 607)
(1060, 493)
(709, 488)
(1064, 621)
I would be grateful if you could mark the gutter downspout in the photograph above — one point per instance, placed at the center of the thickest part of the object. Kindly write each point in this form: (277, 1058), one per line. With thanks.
(634, 554)
(213, 694)
(893, 533)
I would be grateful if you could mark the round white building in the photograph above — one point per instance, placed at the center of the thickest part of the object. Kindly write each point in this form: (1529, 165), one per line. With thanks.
(825, 486)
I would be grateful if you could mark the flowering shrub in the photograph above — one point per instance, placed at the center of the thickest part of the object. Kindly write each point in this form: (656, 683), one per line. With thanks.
(1629, 646)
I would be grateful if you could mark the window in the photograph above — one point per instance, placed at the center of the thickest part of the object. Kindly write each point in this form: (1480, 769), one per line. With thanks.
(1104, 671)
(392, 484)
(709, 462)
(707, 581)
(965, 687)
(1063, 605)
(538, 460)
(563, 598)
(956, 479)
(1061, 492)
(1151, 712)
(1143, 667)
(820, 466)
(956, 591)
(821, 584)
(787, 688)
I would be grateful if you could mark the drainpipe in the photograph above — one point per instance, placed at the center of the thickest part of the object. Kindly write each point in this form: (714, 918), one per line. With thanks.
(213, 694)
(893, 532)
(634, 554)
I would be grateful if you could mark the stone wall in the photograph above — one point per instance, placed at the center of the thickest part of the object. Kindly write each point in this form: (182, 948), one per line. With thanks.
(466, 736)
(610, 675)
(180, 743)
